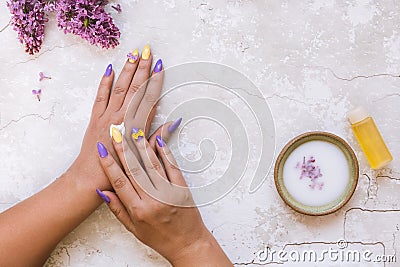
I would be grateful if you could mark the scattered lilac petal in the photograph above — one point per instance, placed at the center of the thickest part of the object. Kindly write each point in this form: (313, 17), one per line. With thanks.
(42, 76)
(117, 8)
(37, 93)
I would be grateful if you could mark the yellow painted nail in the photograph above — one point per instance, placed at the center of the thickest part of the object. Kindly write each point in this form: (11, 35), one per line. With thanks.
(146, 52)
(116, 135)
(133, 56)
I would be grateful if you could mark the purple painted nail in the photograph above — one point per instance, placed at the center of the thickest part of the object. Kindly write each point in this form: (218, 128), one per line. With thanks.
(175, 125)
(103, 196)
(102, 150)
(108, 70)
(158, 67)
(160, 142)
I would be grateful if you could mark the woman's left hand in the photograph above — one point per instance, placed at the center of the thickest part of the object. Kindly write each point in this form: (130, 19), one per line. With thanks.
(131, 100)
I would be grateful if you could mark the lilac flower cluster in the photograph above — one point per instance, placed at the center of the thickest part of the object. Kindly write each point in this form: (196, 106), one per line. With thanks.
(309, 170)
(28, 19)
(88, 19)
(85, 18)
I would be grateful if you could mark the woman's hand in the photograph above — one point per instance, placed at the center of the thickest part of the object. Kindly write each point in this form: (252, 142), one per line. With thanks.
(38, 217)
(133, 97)
(156, 205)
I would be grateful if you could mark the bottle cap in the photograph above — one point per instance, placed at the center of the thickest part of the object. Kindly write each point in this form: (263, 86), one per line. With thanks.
(358, 114)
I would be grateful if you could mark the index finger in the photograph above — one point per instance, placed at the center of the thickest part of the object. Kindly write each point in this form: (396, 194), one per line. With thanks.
(117, 178)
(150, 161)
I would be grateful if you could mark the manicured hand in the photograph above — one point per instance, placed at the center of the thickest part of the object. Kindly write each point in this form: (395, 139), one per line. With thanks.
(132, 99)
(155, 204)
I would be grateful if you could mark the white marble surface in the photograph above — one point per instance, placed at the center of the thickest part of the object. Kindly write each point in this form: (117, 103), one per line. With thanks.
(313, 61)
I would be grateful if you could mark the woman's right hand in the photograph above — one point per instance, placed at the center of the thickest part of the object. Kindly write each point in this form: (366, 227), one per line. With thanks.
(156, 205)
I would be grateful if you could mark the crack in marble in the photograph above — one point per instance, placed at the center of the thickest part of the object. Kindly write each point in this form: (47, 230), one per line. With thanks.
(354, 77)
(286, 97)
(363, 210)
(386, 96)
(376, 185)
(269, 97)
(369, 191)
(222, 224)
(371, 211)
(246, 92)
(41, 54)
(332, 243)
(388, 177)
(36, 115)
(257, 95)
(5, 27)
(254, 263)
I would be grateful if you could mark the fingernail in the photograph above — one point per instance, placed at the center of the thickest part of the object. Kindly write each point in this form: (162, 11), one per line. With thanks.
(108, 70)
(133, 56)
(160, 142)
(102, 150)
(116, 135)
(103, 196)
(137, 134)
(175, 125)
(146, 52)
(158, 67)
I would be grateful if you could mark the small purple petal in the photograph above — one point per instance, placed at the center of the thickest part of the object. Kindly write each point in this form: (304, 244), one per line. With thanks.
(117, 8)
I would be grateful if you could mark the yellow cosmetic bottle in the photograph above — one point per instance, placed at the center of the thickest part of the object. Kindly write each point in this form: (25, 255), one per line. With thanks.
(369, 138)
